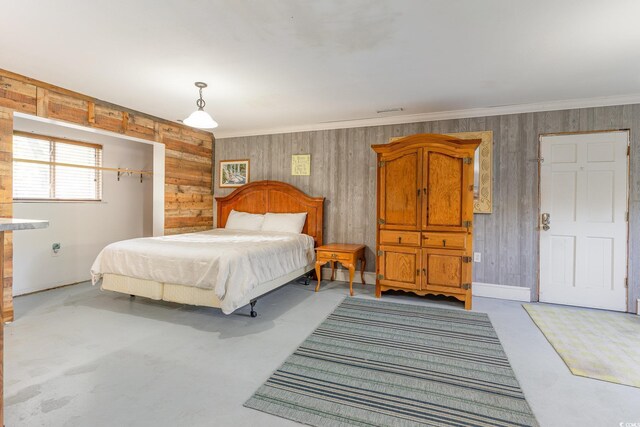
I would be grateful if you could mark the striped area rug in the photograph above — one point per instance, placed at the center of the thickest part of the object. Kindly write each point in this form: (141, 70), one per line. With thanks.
(375, 363)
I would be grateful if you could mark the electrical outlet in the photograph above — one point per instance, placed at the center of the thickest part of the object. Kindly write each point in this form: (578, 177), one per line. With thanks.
(55, 249)
(477, 257)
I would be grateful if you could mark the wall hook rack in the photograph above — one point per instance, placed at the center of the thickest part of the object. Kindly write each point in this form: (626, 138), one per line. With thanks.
(127, 172)
(121, 171)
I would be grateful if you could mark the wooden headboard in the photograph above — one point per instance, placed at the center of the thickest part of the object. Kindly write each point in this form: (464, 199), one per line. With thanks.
(277, 197)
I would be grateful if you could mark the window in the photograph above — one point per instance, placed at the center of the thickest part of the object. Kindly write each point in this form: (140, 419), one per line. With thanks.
(47, 168)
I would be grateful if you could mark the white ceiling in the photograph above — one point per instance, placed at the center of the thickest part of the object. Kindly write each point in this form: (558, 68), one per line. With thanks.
(297, 64)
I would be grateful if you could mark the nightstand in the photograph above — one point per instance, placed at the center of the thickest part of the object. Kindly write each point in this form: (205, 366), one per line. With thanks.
(346, 254)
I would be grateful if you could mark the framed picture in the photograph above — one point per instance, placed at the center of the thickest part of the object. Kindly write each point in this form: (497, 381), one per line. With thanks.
(301, 164)
(234, 173)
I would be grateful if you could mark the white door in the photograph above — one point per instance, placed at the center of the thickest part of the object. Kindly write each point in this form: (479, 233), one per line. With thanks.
(583, 191)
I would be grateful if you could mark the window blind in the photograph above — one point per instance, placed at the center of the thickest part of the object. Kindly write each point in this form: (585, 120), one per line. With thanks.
(52, 169)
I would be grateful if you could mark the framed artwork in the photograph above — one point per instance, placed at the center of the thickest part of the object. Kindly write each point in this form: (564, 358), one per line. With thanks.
(483, 169)
(234, 173)
(301, 164)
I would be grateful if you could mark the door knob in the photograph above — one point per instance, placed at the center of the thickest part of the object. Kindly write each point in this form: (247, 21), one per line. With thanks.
(546, 221)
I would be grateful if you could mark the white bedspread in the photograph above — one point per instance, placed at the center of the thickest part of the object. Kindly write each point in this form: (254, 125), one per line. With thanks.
(231, 262)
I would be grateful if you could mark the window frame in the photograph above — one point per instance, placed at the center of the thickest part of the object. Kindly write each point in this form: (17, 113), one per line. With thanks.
(52, 166)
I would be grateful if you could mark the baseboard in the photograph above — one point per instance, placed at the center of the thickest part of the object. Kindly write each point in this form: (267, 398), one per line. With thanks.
(343, 276)
(638, 306)
(491, 290)
(29, 291)
(488, 290)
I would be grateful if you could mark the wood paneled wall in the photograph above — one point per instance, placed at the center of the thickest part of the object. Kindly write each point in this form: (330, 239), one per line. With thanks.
(188, 199)
(6, 207)
(343, 170)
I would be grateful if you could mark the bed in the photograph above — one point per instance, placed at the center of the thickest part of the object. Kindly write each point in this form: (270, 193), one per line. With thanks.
(221, 268)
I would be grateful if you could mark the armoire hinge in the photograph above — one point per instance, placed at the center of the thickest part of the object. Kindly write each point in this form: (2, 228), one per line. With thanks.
(466, 286)
(467, 224)
(381, 163)
(467, 160)
(380, 277)
(380, 253)
(381, 221)
(466, 259)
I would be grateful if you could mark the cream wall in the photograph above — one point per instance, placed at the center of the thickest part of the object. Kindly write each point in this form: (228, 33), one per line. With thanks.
(82, 228)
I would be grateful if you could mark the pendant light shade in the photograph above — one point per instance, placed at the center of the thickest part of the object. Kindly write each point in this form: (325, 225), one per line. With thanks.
(200, 119)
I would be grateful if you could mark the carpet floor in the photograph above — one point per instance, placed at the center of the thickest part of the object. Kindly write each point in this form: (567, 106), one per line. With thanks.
(593, 343)
(375, 363)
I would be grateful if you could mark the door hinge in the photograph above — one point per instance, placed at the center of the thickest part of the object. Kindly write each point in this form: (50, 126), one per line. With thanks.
(628, 150)
(381, 221)
(626, 282)
(381, 163)
(380, 276)
(467, 160)
(380, 253)
(467, 224)
(466, 286)
(626, 216)
(417, 271)
(467, 259)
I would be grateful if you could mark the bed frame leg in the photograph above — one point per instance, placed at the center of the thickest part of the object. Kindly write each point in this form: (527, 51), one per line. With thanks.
(253, 304)
(307, 279)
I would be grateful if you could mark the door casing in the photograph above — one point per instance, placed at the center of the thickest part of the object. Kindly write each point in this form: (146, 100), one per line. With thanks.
(539, 211)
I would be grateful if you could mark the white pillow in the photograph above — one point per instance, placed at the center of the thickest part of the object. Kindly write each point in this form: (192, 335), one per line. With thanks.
(244, 221)
(287, 222)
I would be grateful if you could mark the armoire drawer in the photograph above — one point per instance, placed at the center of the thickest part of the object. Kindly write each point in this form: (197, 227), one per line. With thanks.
(444, 240)
(404, 238)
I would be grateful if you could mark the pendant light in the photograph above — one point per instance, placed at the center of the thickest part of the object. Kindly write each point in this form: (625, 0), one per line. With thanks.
(200, 119)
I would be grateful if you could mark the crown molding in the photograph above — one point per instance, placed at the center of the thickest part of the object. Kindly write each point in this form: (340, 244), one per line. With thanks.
(570, 104)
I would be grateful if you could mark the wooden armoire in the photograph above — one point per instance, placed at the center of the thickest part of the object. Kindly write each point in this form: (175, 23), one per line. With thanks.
(425, 215)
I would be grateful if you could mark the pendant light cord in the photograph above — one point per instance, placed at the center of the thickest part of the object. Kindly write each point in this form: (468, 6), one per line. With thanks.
(200, 102)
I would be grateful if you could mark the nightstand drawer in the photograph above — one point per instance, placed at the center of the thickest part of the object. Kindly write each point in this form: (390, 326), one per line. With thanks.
(334, 256)
(404, 238)
(444, 240)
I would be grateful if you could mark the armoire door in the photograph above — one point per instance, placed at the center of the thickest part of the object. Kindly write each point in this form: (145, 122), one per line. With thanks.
(447, 191)
(400, 178)
(444, 269)
(399, 267)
